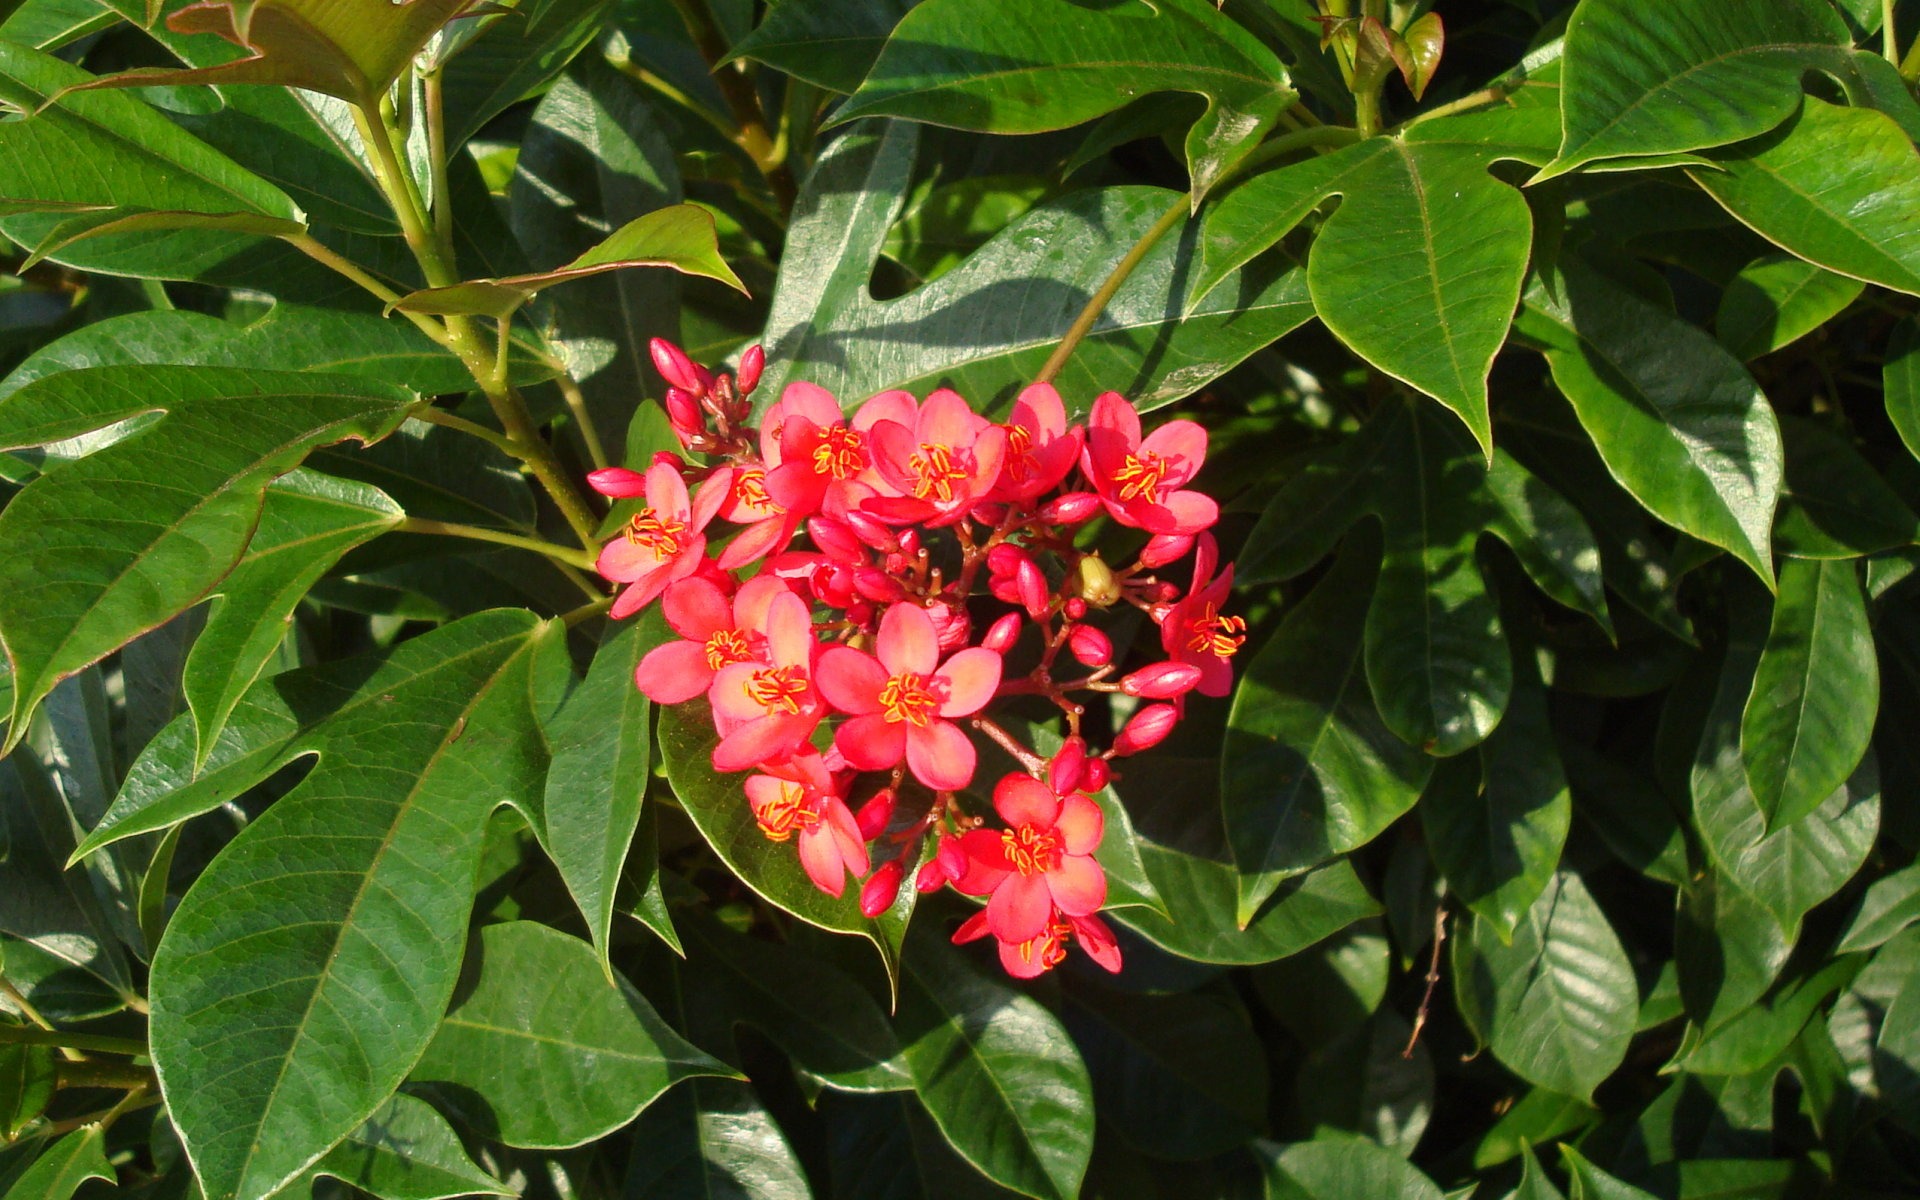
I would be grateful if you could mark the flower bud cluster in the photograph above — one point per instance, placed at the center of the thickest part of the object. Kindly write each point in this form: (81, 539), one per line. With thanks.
(876, 576)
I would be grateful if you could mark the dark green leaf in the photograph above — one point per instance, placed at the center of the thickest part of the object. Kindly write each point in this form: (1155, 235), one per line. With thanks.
(107, 546)
(544, 1050)
(711, 1139)
(832, 43)
(1041, 64)
(26, 1084)
(997, 1073)
(1340, 1168)
(1760, 1033)
(1367, 1081)
(1777, 299)
(1557, 1005)
(1900, 379)
(511, 58)
(53, 911)
(1834, 504)
(1591, 1183)
(1728, 950)
(887, 1148)
(64, 1166)
(407, 1151)
(1888, 906)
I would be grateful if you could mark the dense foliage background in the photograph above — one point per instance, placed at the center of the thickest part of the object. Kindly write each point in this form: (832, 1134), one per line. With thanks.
(1562, 373)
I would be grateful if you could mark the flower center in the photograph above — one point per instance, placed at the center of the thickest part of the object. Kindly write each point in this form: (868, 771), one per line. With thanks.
(1031, 851)
(935, 472)
(1019, 461)
(777, 687)
(750, 490)
(840, 453)
(780, 817)
(725, 647)
(909, 697)
(1211, 633)
(1050, 948)
(1140, 477)
(660, 536)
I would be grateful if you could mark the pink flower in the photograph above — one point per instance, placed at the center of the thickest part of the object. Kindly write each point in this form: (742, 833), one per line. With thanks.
(664, 541)
(715, 633)
(810, 450)
(941, 463)
(1041, 449)
(766, 710)
(1141, 482)
(1194, 632)
(769, 526)
(802, 799)
(899, 701)
(1037, 955)
(1043, 860)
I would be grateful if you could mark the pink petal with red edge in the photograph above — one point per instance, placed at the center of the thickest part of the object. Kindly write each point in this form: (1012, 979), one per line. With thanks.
(850, 679)
(673, 673)
(1216, 677)
(1111, 412)
(971, 677)
(893, 449)
(1097, 940)
(940, 756)
(1182, 444)
(1188, 512)
(820, 855)
(989, 454)
(1039, 409)
(626, 604)
(667, 492)
(623, 561)
(811, 401)
(713, 493)
(1080, 824)
(732, 706)
(1077, 885)
(972, 929)
(755, 540)
(894, 405)
(1024, 800)
(907, 641)
(1022, 961)
(757, 742)
(789, 632)
(696, 609)
(751, 602)
(947, 420)
(1019, 908)
(1206, 553)
(846, 836)
(644, 590)
(871, 743)
(983, 862)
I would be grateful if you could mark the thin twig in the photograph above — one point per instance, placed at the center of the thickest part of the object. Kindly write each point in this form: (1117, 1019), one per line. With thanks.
(1433, 979)
(20, 1035)
(1097, 303)
(744, 103)
(577, 405)
(440, 416)
(1034, 764)
(552, 550)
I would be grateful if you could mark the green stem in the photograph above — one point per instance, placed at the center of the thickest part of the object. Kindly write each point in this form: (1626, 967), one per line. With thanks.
(577, 405)
(1320, 137)
(1486, 95)
(20, 1035)
(595, 608)
(1889, 37)
(743, 102)
(1366, 111)
(552, 550)
(326, 256)
(433, 84)
(1097, 303)
(92, 1074)
(440, 416)
(1910, 65)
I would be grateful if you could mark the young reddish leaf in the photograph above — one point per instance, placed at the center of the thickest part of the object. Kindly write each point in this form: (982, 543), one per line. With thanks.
(1426, 40)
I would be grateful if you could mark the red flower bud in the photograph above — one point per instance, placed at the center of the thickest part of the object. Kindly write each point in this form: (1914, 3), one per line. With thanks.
(1163, 548)
(1006, 559)
(1004, 589)
(617, 482)
(684, 413)
(1063, 773)
(752, 362)
(1162, 681)
(1070, 508)
(836, 541)
(1033, 589)
(877, 586)
(989, 515)
(875, 813)
(675, 367)
(872, 532)
(910, 542)
(1075, 609)
(951, 625)
(1002, 634)
(881, 889)
(860, 612)
(1090, 646)
(1095, 775)
(667, 458)
(1148, 728)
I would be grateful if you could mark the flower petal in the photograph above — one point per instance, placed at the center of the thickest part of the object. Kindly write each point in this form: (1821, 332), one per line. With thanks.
(820, 855)
(895, 405)
(850, 680)
(972, 929)
(871, 743)
(1096, 938)
(983, 862)
(716, 491)
(732, 706)
(1019, 908)
(667, 492)
(1182, 444)
(908, 640)
(1023, 800)
(697, 609)
(1081, 824)
(1183, 513)
(789, 632)
(971, 677)
(1111, 412)
(1077, 885)
(673, 673)
(811, 401)
(846, 836)
(948, 420)
(1022, 961)
(757, 741)
(1039, 409)
(940, 756)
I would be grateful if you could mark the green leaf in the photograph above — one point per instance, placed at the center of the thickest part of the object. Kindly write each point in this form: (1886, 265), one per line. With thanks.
(986, 327)
(1803, 734)
(1758, 1034)
(830, 43)
(1828, 186)
(601, 758)
(407, 1151)
(64, 1166)
(713, 1138)
(307, 523)
(1889, 905)
(542, 1050)
(887, 1148)
(680, 236)
(1495, 828)
(1591, 1183)
(358, 886)
(154, 895)
(1834, 503)
(512, 58)
(1040, 65)
(997, 1073)
(1778, 299)
(1366, 1081)
(1679, 422)
(1309, 770)
(26, 1084)
(1535, 1183)
(718, 808)
(1728, 950)
(53, 911)
(1340, 1168)
(50, 24)
(1900, 380)
(107, 546)
(1798, 865)
(1557, 1004)
(1183, 1076)
(1640, 81)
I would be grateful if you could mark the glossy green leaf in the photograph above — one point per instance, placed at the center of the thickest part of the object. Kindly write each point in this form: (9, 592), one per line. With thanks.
(1330, 988)
(154, 906)
(1798, 865)
(1340, 1168)
(1679, 422)
(1760, 1033)
(51, 24)
(1309, 770)
(1536, 1118)
(306, 524)
(358, 893)
(997, 1073)
(1495, 828)
(1591, 1183)
(1642, 81)
(407, 1151)
(713, 1138)
(50, 910)
(832, 43)
(1900, 383)
(1728, 950)
(1829, 186)
(107, 546)
(1889, 905)
(887, 1148)
(1778, 299)
(1834, 504)
(1535, 1183)
(61, 1168)
(987, 326)
(513, 58)
(26, 1084)
(601, 747)
(680, 237)
(1367, 1081)
(1557, 1004)
(1041, 64)
(1802, 734)
(718, 808)
(544, 1051)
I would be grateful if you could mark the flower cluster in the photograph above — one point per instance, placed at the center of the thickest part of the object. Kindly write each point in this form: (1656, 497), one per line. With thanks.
(885, 578)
